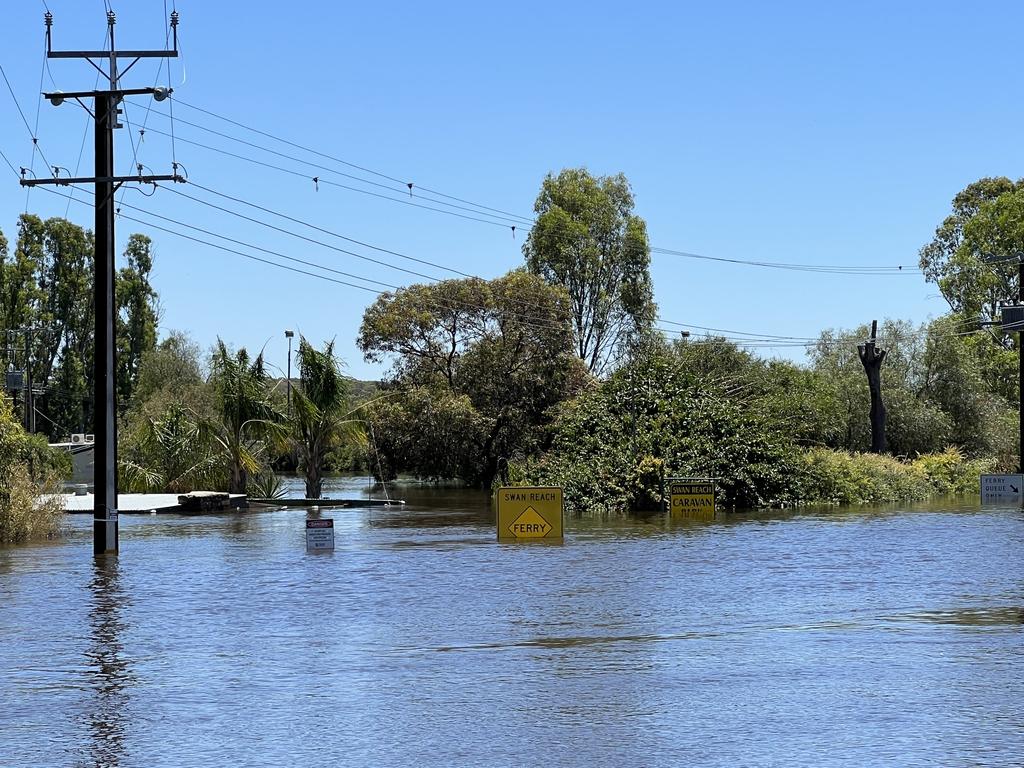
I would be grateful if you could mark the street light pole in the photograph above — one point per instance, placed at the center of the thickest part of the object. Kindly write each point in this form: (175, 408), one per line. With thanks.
(288, 335)
(1020, 368)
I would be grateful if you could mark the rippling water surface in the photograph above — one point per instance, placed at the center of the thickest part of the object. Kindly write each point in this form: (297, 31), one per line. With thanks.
(867, 637)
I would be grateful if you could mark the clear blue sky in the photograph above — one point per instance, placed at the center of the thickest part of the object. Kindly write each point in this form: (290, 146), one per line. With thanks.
(792, 132)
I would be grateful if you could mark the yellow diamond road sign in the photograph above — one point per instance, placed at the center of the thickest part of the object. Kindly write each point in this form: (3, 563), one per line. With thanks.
(529, 513)
(529, 525)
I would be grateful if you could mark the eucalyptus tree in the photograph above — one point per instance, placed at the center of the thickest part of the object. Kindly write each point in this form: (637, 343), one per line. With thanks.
(137, 313)
(46, 286)
(973, 255)
(319, 419)
(587, 240)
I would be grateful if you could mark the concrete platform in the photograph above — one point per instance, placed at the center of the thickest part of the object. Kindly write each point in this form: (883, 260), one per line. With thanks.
(137, 503)
(328, 502)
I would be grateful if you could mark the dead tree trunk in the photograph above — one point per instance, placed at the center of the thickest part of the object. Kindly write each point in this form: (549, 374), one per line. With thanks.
(871, 358)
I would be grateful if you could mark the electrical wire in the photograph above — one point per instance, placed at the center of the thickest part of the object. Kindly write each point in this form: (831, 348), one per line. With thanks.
(347, 163)
(85, 131)
(764, 341)
(35, 131)
(10, 164)
(524, 319)
(328, 182)
(35, 139)
(822, 268)
(516, 220)
(799, 341)
(294, 220)
(302, 237)
(837, 269)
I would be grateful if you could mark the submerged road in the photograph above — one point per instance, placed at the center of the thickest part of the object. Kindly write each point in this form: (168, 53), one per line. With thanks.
(843, 638)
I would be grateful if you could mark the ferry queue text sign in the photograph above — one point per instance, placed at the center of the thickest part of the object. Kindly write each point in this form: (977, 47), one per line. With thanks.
(688, 497)
(529, 513)
(1002, 489)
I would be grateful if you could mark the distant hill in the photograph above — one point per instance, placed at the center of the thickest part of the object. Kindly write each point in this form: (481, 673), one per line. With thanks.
(362, 390)
(358, 390)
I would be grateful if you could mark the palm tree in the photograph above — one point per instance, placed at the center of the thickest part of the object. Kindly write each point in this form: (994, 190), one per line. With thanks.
(318, 411)
(171, 453)
(246, 415)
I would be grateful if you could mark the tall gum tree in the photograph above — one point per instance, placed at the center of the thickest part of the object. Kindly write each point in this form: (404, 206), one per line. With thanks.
(587, 240)
(46, 285)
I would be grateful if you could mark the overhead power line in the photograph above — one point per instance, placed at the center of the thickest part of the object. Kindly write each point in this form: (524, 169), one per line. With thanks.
(10, 164)
(741, 339)
(508, 219)
(295, 220)
(525, 318)
(31, 133)
(837, 269)
(318, 180)
(404, 183)
(478, 208)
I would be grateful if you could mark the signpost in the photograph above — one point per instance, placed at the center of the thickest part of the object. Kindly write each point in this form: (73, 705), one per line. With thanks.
(1002, 489)
(320, 535)
(529, 513)
(691, 497)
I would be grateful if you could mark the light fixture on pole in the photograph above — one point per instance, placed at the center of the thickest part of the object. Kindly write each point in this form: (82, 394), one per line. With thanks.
(288, 335)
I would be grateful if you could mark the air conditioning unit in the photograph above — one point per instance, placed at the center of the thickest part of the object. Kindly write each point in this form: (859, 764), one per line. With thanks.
(90, 438)
(77, 439)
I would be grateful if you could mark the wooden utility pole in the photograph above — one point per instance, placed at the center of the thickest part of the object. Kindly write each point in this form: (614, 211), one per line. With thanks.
(105, 112)
(871, 358)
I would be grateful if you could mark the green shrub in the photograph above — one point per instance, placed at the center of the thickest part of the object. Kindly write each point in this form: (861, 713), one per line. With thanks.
(837, 477)
(951, 473)
(30, 506)
(267, 485)
(29, 509)
(612, 447)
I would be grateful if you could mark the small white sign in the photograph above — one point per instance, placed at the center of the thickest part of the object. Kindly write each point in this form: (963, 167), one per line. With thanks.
(320, 535)
(1002, 489)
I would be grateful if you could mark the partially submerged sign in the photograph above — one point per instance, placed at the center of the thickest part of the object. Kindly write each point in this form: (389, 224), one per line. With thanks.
(1002, 489)
(691, 497)
(529, 513)
(320, 535)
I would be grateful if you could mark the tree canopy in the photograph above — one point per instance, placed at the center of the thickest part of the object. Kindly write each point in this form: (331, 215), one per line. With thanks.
(974, 254)
(486, 360)
(46, 294)
(588, 241)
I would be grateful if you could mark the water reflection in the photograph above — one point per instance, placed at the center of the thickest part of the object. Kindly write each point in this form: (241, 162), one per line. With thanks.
(996, 616)
(107, 666)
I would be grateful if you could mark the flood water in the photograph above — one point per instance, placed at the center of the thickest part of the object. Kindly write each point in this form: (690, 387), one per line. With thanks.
(839, 638)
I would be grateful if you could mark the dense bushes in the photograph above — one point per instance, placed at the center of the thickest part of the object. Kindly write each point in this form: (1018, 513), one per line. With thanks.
(771, 433)
(659, 417)
(30, 476)
(836, 477)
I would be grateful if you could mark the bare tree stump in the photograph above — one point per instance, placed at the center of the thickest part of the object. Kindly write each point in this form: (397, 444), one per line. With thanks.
(871, 358)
